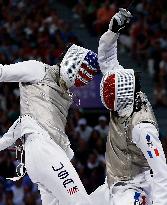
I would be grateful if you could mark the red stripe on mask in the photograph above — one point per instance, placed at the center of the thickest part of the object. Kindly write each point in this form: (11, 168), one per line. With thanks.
(84, 76)
(90, 71)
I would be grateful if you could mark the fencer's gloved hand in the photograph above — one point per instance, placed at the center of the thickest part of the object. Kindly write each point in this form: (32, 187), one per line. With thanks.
(119, 20)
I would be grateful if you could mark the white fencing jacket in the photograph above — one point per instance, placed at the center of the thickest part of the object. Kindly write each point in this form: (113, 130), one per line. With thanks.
(28, 71)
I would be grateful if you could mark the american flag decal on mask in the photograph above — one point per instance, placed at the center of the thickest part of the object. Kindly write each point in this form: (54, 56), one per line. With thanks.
(92, 60)
(73, 190)
(88, 69)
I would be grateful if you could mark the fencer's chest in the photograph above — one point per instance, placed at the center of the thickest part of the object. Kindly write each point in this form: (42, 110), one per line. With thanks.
(120, 132)
(45, 96)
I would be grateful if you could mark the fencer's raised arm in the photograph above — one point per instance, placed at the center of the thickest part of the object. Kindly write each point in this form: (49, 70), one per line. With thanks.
(107, 50)
(26, 71)
(11, 136)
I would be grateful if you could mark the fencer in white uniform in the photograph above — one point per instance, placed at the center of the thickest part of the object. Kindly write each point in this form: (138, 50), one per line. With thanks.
(133, 147)
(44, 102)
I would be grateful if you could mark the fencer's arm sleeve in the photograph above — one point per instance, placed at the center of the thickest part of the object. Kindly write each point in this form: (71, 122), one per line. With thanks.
(146, 137)
(11, 136)
(107, 52)
(26, 71)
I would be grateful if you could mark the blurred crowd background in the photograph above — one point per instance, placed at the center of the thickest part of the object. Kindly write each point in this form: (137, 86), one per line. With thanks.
(145, 39)
(31, 29)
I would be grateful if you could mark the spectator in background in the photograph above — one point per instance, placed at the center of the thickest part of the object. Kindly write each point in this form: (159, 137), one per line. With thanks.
(102, 127)
(83, 176)
(18, 192)
(164, 21)
(104, 15)
(142, 44)
(1, 198)
(31, 36)
(2, 194)
(163, 39)
(95, 135)
(7, 167)
(154, 59)
(14, 111)
(83, 129)
(100, 149)
(139, 37)
(9, 197)
(91, 15)
(80, 9)
(92, 161)
(160, 95)
(30, 189)
(82, 151)
(95, 171)
(163, 68)
(30, 199)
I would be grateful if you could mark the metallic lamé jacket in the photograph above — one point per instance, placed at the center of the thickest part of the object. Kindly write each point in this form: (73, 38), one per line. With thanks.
(124, 160)
(48, 104)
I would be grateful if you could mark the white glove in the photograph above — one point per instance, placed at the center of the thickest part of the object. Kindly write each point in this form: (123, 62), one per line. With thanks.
(119, 20)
